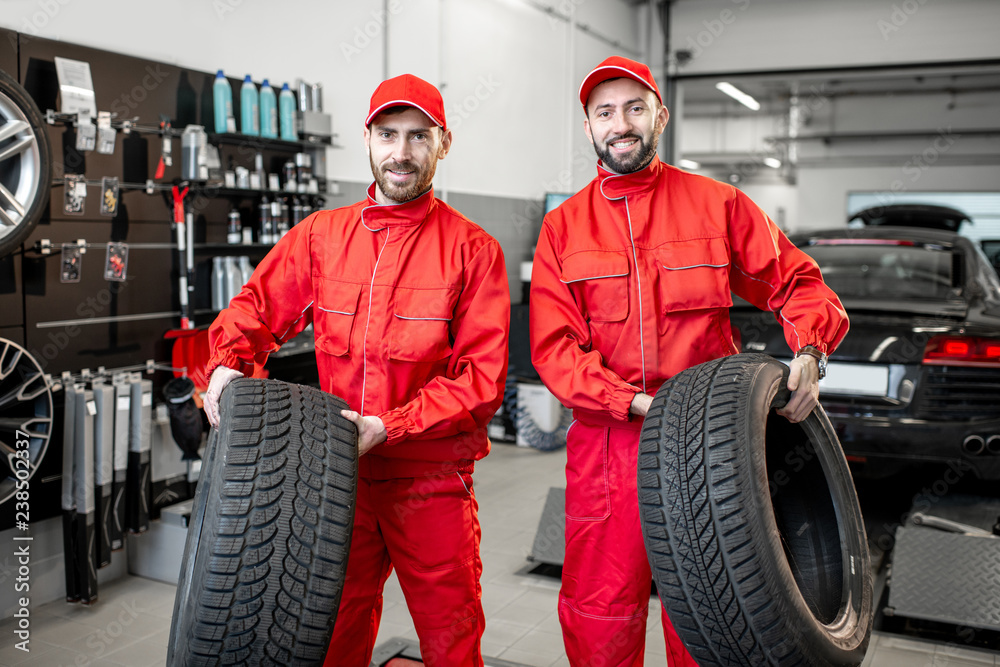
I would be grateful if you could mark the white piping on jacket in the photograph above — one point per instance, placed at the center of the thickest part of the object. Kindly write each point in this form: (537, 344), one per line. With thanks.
(337, 312)
(576, 280)
(282, 336)
(694, 266)
(436, 319)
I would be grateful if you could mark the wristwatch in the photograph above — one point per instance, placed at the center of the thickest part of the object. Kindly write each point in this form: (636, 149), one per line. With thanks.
(817, 355)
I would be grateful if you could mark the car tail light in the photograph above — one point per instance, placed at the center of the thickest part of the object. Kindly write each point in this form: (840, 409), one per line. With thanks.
(962, 351)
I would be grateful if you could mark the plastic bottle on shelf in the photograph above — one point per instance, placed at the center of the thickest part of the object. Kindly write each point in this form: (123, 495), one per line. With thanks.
(286, 107)
(249, 108)
(264, 209)
(218, 284)
(268, 111)
(234, 229)
(234, 279)
(284, 224)
(245, 268)
(222, 100)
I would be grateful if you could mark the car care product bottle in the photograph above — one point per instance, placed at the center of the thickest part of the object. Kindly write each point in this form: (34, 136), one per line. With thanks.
(286, 108)
(297, 216)
(264, 212)
(268, 111)
(234, 279)
(218, 284)
(245, 269)
(307, 208)
(276, 218)
(249, 108)
(234, 228)
(285, 224)
(222, 101)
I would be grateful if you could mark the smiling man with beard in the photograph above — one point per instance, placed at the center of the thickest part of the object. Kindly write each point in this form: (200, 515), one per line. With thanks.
(630, 285)
(411, 308)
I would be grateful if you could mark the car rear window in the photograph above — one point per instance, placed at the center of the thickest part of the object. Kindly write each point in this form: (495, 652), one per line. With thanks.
(886, 270)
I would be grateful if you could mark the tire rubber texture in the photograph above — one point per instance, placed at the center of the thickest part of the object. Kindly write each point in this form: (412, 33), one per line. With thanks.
(751, 524)
(270, 530)
(12, 89)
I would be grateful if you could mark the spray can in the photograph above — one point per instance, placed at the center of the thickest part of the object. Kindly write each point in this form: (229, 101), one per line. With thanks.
(222, 101)
(218, 284)
(264, 231)
(249, 108)
(286, 114)
(268, 111)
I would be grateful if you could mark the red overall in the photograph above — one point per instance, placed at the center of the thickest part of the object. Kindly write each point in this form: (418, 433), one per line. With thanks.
(410, 307)
(631, 285)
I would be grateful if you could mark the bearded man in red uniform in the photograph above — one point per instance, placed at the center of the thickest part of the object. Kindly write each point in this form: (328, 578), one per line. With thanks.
(631, 285)
(410, 305)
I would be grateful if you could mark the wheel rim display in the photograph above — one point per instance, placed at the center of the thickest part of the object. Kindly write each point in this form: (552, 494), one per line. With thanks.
(20, 167)
(25, 407)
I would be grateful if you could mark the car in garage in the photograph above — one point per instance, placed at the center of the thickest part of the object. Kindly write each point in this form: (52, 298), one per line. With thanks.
(917, 378)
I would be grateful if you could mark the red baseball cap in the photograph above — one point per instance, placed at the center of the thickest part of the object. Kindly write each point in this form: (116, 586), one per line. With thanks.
(411, 91)
(617, 67)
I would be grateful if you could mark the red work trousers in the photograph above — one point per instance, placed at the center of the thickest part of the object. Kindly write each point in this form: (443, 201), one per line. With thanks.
(427, 528)
(606, 578)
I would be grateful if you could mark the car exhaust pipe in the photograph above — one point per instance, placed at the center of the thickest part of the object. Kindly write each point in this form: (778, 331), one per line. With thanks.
(993, 445)
(974, 445)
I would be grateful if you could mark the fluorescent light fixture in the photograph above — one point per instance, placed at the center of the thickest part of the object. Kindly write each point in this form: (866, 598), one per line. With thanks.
(738, 95)
(684, 163)
(772, 162)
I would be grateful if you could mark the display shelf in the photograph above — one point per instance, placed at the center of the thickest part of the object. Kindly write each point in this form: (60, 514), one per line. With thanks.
(236, 139)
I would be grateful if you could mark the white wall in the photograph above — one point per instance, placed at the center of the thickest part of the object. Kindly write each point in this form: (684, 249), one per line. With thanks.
(508, 71)
(743, 35)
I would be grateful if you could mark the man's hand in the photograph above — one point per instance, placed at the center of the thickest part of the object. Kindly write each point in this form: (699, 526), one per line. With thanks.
(221, 376)
(640, 404)
(371, 430)
(803, 382)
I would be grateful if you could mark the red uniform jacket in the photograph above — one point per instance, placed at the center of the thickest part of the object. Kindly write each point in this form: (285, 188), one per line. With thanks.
(411, 311)
(631, 285)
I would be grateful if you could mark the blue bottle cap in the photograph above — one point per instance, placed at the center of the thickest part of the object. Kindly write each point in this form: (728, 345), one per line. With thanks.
(264, 83)
(220, 75)
(247, 79)
(284, 86)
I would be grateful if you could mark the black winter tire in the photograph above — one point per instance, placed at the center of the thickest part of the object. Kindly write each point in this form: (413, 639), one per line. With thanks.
(270, 530)
(751, 523)
(25, 164)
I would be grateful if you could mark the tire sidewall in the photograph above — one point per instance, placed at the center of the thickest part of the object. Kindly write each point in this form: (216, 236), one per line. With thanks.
(846, 642)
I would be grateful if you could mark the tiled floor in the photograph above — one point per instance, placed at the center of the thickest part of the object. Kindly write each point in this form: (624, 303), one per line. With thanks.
(131, 623)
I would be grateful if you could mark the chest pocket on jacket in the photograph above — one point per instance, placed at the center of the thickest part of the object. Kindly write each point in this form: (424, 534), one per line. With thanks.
(420, 326)
(333, 316)
(694, 274)
(599, 280)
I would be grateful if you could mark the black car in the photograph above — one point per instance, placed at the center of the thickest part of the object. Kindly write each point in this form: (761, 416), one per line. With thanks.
(917, 378)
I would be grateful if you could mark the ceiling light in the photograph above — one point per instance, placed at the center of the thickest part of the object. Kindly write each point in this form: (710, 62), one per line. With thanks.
(684, 163)
(738, 95)
(772, 162)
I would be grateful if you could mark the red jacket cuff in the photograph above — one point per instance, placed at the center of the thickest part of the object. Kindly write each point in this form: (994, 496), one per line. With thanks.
(229, 361)
(621, 400)
(396, 427)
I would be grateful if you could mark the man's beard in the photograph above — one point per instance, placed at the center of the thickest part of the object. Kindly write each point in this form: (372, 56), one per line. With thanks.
(628, 163)
(422, 182)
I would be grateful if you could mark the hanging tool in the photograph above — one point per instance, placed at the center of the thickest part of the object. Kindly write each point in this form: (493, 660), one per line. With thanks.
(186, 256)
(167, 146)
(68, 499)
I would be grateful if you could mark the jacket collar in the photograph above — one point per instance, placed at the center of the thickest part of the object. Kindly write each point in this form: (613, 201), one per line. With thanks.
(375, 216)
(616, 186)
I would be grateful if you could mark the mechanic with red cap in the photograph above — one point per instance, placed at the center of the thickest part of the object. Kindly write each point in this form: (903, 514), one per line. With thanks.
(631, 285)
(410, 305)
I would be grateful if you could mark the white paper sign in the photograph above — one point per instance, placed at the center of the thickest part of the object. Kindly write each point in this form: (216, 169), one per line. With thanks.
(76, 86)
